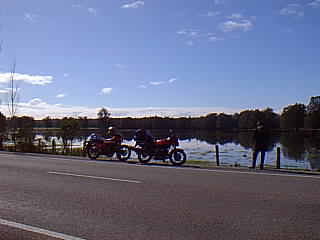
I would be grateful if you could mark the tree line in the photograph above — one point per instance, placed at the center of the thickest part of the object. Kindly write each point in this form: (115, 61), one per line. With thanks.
(20, 130)
(295, 116)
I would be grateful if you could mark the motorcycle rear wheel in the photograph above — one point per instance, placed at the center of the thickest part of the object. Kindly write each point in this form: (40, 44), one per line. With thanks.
(178, 157)
(124, 153)
(144, 157)
(93, 153)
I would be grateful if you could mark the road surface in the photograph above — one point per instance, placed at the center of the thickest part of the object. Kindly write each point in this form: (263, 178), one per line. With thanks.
(54, 197)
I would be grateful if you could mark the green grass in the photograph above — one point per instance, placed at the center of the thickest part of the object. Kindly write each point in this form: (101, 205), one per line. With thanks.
(197, 162)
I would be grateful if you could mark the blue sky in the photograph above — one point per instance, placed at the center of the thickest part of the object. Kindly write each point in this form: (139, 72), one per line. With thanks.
(159, 57)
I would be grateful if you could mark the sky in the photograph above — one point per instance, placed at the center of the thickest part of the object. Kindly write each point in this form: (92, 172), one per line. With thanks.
(158, 57)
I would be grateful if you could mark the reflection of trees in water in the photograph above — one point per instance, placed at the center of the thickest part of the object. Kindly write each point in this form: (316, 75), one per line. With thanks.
(50, 134)
(273, 140)
(245, 139)
(314, 158)
(227, 137)
(293, 145)
(205, 136)
(302, 146)
(299, 146)
(312, 143)
(210, 137)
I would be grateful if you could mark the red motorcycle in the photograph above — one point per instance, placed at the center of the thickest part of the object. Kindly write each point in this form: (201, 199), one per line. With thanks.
(163, 149)
(96, 146)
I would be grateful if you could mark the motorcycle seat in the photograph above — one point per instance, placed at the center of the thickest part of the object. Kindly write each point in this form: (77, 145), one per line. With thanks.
(163, 141)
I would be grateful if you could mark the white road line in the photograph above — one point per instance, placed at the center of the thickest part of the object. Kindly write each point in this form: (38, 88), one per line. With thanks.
(38, 230)
(94, 177)
(199, 169)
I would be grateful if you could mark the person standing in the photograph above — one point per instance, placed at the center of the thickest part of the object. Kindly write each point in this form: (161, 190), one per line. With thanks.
(113, 136)
(260, 140)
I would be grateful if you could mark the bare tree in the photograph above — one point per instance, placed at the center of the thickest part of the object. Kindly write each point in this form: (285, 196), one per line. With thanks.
(13, 96)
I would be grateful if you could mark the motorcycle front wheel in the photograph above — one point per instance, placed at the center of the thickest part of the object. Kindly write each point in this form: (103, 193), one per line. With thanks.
(144, 157)
(124, 153)
(178, 157)
(93, 152)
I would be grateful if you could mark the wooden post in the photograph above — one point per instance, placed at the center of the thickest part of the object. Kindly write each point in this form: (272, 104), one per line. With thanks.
(217, 155)
(39, 145)
(53, 146)
(84, 152)
(278, 158)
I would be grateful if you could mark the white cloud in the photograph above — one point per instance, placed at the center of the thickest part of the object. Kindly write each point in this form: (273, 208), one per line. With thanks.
(235, 16)
(230, 26)
(36, 101)
(106, 91)
(90, 10)
(191, 33)
(29, 17)
(119, 65)
(214, 39)
(293, 10)
(61, 95)
(315, 4)
(7, 90)
(211, 14)
(93, 11)
(194, 34)
(142, 86)
(31, 79)
(181, 32)
(136, 4)
(173, 80)
(156, 83)
(40, 109)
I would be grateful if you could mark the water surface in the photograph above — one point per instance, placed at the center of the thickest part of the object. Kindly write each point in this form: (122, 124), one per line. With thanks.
(298, 149)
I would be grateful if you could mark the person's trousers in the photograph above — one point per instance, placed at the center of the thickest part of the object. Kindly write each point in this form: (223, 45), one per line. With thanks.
(255, 155)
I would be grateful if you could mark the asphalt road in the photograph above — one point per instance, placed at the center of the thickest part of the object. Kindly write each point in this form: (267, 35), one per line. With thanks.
(50, 197)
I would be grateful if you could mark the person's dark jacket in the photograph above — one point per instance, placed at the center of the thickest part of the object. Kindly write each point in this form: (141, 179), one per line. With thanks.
(260, 139)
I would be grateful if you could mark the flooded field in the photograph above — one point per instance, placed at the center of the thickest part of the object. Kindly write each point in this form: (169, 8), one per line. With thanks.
(299, 150)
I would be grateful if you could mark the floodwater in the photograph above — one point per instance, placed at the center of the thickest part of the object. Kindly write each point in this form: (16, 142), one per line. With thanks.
(298, 150)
